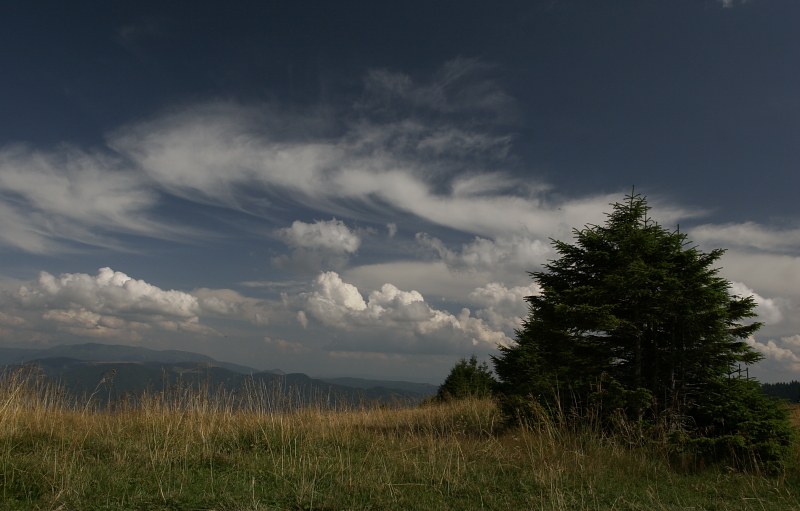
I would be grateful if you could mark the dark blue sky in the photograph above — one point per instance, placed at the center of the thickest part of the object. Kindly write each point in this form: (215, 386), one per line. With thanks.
(245, 147)
(685, 98)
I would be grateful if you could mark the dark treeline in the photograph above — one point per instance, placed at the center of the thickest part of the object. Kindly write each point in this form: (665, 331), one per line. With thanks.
(789, 391)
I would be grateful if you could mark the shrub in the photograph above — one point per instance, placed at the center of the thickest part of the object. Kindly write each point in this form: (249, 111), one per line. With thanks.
(467, 379)
(736, 421)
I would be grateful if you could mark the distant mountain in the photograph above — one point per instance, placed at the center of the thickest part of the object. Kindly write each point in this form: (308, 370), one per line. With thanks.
(112, 380)
(114, 353)
(426, 389)
(110, 371)
(16, 355)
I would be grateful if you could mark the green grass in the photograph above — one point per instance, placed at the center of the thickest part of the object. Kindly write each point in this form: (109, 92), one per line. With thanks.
(198, 453)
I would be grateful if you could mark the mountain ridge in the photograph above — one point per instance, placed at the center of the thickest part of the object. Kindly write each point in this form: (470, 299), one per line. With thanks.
(115, 353)
(82, 368)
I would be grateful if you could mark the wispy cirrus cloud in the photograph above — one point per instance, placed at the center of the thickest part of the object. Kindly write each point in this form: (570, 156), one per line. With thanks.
(462, 85)
(219, 153)
(50, 199)
(406, 147)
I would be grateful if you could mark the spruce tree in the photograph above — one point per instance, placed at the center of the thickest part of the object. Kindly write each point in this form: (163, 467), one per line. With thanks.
(631, 316)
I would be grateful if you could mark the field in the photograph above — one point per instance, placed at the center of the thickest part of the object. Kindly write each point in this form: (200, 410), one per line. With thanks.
(188, 450)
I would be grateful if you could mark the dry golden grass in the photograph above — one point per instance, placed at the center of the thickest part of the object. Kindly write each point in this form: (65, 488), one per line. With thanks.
(795, 415)
(186, 449)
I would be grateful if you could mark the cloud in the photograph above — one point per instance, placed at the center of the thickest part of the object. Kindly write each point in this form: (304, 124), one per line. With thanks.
(437, 149)
(185, 153)
(302, 319)
(771, 274)
(245, 156)
(317, 245)
(229, 304)
(768, 309)
(108, 292)
(219, 307)
(462, 85)
(747, 235)
(74, 317)
(271, 285)
(83, 323)
(284, 346)
(730, 3)
(331, 235)
(431, 278)
(113, 305)
(11, 320)
(366, 355)
(387, 156)
(392, 228)
(513, 254)
(391, 320)
(131, 37)
(331, 298)
(503, 308)
(779, 358)
(49, 199)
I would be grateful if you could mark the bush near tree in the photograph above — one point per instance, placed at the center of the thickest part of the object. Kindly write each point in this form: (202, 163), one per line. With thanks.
(632, 321)
(467, 378)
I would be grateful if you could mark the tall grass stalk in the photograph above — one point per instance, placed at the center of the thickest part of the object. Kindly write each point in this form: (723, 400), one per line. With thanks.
(190, 448)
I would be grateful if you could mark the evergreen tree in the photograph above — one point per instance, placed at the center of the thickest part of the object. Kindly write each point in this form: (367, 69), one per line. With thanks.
(467, 379)
(630, 315)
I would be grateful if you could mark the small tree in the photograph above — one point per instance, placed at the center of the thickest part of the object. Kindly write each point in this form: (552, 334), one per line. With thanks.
(467, 379)
(630, 318)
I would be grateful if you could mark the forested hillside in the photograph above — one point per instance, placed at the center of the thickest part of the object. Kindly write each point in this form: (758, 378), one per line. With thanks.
(789, 391)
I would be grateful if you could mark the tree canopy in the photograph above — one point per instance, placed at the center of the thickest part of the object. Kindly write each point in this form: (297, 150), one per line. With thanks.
(634, 303)
(633, 318)
(467, 379)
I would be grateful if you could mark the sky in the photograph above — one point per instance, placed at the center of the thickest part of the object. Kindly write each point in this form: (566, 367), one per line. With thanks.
(360, 188)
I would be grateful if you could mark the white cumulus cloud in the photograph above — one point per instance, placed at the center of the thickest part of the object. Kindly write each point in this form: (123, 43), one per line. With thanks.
(395, 319)
(113, 305)
(107, 292)
(768, 309)
(781, 358)
(503, 308)
(317, 245)
(332, 235)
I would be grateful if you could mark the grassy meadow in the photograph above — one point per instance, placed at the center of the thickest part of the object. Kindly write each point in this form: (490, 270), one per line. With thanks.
(186, 449)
